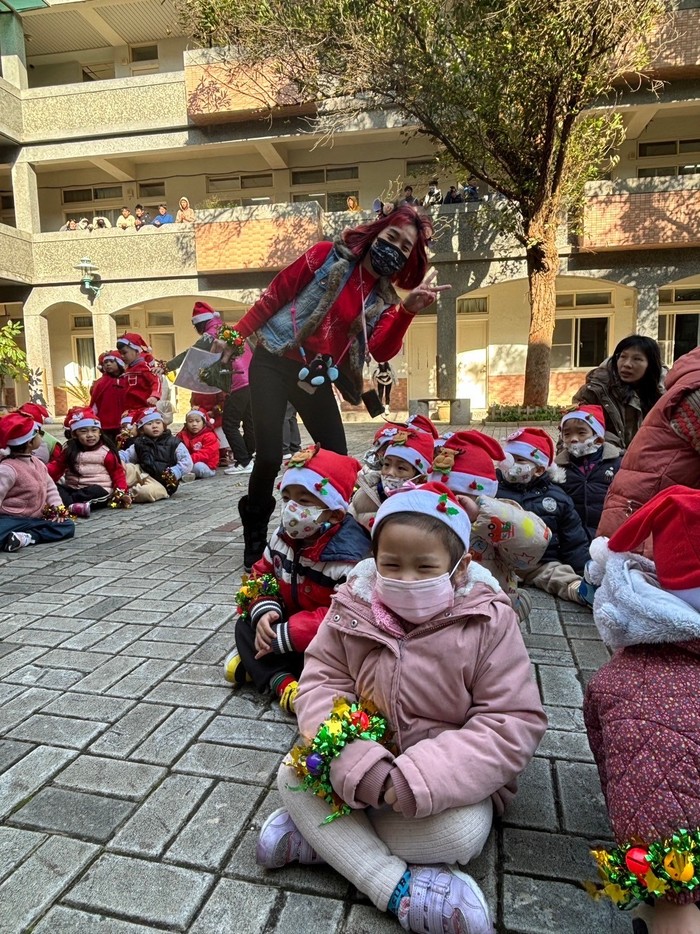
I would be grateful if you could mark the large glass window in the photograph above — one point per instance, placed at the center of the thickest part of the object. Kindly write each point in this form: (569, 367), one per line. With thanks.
(579, 342)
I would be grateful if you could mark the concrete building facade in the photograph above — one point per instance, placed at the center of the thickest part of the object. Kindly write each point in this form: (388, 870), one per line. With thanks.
(103, 104)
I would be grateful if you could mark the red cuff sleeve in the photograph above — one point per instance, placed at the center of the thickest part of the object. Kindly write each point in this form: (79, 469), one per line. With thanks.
(116, 471)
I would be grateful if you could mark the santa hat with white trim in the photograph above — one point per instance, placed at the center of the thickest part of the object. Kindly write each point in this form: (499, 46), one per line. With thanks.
(35, 410)
(329, 476)
(534, 444)
(203, 312)
(81, 416)
(465, 463)
(127, 418)
(385, 433)
(16, 429)
(423, 423)
(144, 416)
(429, 499)
(415, 447)
(200, 413)
(133, 340)
(672, 518)
(112, 355)
(592, 415)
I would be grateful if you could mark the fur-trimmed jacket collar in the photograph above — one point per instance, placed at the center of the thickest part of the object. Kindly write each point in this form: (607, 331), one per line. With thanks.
(630, 607)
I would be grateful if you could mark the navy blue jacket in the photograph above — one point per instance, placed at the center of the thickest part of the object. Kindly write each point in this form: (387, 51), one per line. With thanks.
(544, 497)
(587, 480)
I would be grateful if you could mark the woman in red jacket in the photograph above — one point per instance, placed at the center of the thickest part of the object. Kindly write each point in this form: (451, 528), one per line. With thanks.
(316, 324)
(201, 441)
(107, 393)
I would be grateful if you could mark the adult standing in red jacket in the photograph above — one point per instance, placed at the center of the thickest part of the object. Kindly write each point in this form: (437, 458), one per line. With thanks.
(316, 324)
(107, 393)
(141, 385)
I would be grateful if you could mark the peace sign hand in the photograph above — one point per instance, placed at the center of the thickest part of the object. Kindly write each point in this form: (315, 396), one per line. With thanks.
(424, 294)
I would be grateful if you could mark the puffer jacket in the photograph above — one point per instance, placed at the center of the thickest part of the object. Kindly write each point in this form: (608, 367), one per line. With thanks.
(367, 498)
(308, 573)
(642, 709)
(203, 448)
(623, 410)
(457, 692)
(587, 481)
(545, 498)
(658, 457)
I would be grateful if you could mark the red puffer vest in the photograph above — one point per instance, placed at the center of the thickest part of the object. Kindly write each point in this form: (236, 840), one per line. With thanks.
(657, 457)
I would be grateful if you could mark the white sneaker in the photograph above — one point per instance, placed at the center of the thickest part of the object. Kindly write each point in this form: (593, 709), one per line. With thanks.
(287, 457)
(239, 469)
(17, 540)
(188, 477)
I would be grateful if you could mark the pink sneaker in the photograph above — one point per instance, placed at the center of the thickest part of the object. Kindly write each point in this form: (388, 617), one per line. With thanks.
(281, 843)
(80, 510)
(443, 900)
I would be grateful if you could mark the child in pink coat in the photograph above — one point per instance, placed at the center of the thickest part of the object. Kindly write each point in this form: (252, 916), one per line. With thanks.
(430, 641)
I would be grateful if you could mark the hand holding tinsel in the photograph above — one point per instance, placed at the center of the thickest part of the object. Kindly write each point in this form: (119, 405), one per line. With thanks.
(169, 481)
(56, 513)
(347, 722)
(120, 500)
(252, 588)
(632, 873)
(233, 339)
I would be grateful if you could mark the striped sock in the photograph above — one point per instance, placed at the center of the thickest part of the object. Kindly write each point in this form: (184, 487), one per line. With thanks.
(279, 682)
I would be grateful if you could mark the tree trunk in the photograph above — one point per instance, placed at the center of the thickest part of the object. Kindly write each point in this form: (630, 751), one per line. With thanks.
(542, 269)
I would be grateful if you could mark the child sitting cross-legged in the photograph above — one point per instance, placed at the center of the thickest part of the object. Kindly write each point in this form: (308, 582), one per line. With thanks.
(88, 471)
(529, 480)
(305, 561)
(159, 453)
(642, 712)
(406, 456)
(201, 441)
(423, 643)
(505, 538)
(31, 511)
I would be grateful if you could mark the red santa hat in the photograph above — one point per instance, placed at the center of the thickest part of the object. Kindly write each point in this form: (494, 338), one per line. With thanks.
(36, 411)
(112, 355)
(203, 312)
(423, 423)
(415, 447)
(81, 416)
(329, 476)
(384, 434)
(534, 444)
(672, 518)
(429, 499)
(444, 437)
(465, 463)
(200, 413)
(16, 429)
(133, 340)
(144, 416)
(592, 415)
(127, 417)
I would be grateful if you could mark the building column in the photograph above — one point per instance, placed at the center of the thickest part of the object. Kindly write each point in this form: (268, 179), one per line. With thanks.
(36, 336)
(446, 345)
(13, 55)
(104, 332)
(26, 198)
(648, 311)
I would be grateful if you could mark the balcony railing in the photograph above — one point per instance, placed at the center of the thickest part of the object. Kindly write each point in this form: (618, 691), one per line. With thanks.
(16, 258)
(642, 213)
(104, 108)
(10, 111)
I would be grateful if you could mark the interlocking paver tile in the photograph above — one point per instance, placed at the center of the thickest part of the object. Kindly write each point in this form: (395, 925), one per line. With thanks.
(130, 730)
(536, 906)
(258, 734)
(54, 679)
(132, 780)
(90, 817)
(57, 731)
(189, 695)
(309, 912)
(88, 706)
(236, 906)
(62, 920)
(229, 762)
(29, 774)
(166, 742)
(12, 751)
(16, 845)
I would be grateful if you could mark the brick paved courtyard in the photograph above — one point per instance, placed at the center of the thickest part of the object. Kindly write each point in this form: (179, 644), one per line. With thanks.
(133, 779)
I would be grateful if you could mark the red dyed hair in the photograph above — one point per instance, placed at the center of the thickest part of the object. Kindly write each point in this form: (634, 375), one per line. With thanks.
(359, 239)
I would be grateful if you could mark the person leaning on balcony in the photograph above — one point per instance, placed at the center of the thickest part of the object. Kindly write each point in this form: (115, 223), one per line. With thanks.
(100, 223)
(318, 312)
(141, 216)
(627, 385)
(72, 224)
(162, 217)
(126, 220)
(185, 214)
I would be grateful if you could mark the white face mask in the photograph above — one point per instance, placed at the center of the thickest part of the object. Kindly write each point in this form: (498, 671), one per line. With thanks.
(417, 601)
(301, 521)
(520, 473)
(392, 484)
(582, 448)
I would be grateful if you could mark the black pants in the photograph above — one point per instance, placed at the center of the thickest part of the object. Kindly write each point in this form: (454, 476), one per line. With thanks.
(274, 383)
(96, 495)
(238, 410)
(263, 670)
(291, 439)
(384, 392)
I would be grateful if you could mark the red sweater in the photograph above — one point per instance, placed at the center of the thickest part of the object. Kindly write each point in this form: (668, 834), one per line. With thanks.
(331, 337)
(203, 448)
(107, 396)
(139, 383)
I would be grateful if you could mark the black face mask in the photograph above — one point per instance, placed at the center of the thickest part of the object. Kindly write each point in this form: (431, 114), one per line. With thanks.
(386, 259)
